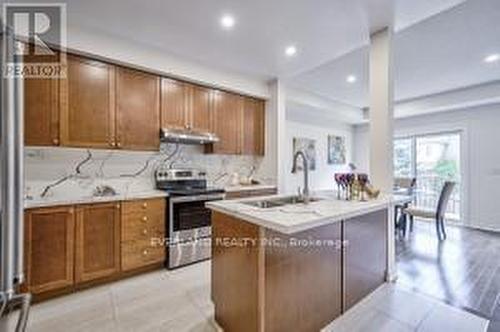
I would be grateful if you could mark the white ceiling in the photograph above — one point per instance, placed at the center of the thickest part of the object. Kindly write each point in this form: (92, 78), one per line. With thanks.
(442, 53)
(321, 29)
(190, 29)
(439, 44)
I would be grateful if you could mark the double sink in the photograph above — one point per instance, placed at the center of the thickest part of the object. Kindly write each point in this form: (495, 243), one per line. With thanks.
(281, 201)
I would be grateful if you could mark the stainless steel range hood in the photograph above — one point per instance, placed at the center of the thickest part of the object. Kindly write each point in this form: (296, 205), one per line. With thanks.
(182, 136)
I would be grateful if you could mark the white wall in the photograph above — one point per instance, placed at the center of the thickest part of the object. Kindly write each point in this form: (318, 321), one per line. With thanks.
(481, 156)
(323, 177)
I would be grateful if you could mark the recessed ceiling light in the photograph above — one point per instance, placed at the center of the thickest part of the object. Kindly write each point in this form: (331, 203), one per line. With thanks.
(351, 79)
(492, 58)
(291, 50)
(227, 21)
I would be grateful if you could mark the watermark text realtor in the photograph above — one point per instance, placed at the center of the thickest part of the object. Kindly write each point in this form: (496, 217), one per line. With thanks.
(35, 28)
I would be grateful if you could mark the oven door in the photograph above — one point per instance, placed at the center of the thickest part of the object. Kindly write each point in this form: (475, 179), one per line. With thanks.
(189, 219)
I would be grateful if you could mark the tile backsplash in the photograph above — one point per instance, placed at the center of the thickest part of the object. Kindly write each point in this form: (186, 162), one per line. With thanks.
(127, 171)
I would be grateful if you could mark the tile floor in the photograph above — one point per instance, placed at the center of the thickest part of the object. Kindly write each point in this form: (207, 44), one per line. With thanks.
(180, 301)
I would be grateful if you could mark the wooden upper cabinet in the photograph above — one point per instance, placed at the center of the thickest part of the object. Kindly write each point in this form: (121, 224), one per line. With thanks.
(200, 109)
(97, 241)
(174, 104)
(137, 110)
(49, 253)
(253, 127)
(87, 104)
(228, 116)
(41, 111)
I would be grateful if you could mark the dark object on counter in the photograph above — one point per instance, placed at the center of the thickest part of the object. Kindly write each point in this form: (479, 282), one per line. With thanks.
(104, 191)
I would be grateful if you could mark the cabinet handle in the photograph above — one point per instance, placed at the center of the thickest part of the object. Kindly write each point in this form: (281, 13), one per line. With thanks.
(112, 144)
(117, 206)
(55, 141)
(144, 205)
(145, 252)
(144, 218)
(145, 231)
(119, 145)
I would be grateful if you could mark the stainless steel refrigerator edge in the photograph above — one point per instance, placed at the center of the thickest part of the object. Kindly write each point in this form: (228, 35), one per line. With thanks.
(12, 192)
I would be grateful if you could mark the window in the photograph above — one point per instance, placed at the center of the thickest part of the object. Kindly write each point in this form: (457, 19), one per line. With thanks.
(432, 159)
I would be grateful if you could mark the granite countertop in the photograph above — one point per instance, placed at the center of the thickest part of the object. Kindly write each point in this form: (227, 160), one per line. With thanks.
(291, 219)
(60, 200)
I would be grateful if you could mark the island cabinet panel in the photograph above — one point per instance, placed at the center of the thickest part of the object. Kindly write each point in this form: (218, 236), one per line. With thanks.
(143, 229)
(253, 127)
(303, 280)
(87, 104)
(50, 236)
(365, 251)
(174, 104)
(228, 123)
(41, 111)
(235, 274)
(97, 241)
(137, 110)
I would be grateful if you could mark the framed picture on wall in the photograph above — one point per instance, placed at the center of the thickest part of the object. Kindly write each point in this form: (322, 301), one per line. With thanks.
(309, 147)
(336, 150)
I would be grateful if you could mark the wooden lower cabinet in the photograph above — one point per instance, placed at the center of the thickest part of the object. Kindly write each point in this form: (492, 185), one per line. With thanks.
(365, 254)
(143, 232)
(97, 241)
(49, 253)
(69, 246)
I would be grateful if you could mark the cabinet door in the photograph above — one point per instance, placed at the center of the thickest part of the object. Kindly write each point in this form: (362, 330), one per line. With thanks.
(174, 104)
(97, 241)
(253, 127)
(365, 250)
(200, 103)
(228, 118)
(137, 110)
(50, 234)
(41, 111)
(87, 106)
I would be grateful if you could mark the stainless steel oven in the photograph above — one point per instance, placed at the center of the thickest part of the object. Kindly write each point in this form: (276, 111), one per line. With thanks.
(189, 229)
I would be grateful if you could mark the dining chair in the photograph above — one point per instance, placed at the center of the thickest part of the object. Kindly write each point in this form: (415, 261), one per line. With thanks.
(403, 186)
(437, 215)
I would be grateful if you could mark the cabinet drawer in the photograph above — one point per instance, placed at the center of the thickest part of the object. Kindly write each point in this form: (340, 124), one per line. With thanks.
(156, 205)
(140, 253)
(143, 219)
(141, 231)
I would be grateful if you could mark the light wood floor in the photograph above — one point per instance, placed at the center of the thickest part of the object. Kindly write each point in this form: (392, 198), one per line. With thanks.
(463, 270)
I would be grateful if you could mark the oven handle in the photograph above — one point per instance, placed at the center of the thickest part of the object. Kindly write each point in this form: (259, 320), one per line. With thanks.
(196, 198)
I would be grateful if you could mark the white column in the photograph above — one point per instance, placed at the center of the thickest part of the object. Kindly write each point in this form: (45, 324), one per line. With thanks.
(381, 110)
(381, 129)
(275, 132)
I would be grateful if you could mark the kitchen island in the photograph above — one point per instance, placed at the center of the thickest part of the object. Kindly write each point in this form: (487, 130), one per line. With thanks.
(296, 267)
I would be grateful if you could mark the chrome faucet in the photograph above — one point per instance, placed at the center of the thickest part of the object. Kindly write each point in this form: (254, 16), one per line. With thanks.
(304, 194)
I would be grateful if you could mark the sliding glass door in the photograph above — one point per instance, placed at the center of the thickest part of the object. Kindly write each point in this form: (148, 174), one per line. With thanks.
(432, 159)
